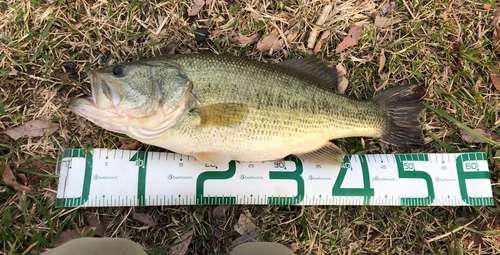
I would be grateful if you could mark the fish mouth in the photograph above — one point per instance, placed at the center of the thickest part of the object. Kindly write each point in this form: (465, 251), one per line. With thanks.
(98, 108)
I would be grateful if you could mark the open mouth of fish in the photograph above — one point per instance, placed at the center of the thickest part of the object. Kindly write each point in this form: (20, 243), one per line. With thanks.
(100, 107)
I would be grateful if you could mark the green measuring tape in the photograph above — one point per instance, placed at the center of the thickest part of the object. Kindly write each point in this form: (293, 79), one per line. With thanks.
(140, 178)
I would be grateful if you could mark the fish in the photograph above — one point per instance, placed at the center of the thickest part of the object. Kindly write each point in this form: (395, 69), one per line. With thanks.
(219, 108)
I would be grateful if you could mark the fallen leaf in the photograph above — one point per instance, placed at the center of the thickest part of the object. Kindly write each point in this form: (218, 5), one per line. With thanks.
(195, 7)
(374, 234)
(351, 39)
(470, 138)
(292, 33)
(300, 46)
(220, 210)
(32, 128)
(9, 179)
(62, 76)
(497, 32)
(497, 227)
(448, 12)
(76, 26)
(242, 40)
(269, 44)
(381, 62)
(324, 35)
(128, 143)
(476, 238)
(383, 22)
(170, 47)
(71, 234)
(245, 225)
(245, 238)
(144, 218)
(183, 243)
(13, 72)
(478, 86)
(23, 179)
(38, 162)
(461, 221)
(342, 80)
(388, 7)
(487, 6)
(456, 46)
(99, 224)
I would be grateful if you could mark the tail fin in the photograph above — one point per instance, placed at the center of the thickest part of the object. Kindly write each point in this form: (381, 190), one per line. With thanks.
(403, 108)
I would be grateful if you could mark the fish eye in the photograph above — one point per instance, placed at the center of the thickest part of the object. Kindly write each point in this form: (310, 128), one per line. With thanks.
(118, 70)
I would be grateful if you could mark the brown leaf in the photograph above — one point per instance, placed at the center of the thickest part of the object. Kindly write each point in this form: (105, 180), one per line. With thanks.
(242, 40)
(497, 227)
(477, 238)
(218, 234)
(128, 143)
(320, 41)
(497, 31)
(245, 238)
(487, 6)
(13, 72)
(448, 12)
(195, 7)
(183, 244)
(381, 62)
(383, 22)
(170, 47)
(292, 33)
(32, 128)
(461, 221)
(269, 44)
(23, 179)
(495, 79)
(478, 85)
(144, 218)
(63, 76)
(342, 80)
(220, 210)
(9, 179)
(95, 221)
(245, 225)
(71, 234)
(470, 138)
(374, 234)
(38, 162)
(76, 26)
(351, 39)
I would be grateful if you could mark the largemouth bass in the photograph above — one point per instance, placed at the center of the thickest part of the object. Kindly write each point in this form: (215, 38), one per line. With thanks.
(220, 108)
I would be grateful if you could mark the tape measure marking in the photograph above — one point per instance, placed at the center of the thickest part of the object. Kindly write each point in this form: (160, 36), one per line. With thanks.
(140, 178)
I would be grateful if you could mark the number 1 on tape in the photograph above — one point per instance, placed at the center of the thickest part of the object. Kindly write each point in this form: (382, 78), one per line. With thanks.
(139, 178)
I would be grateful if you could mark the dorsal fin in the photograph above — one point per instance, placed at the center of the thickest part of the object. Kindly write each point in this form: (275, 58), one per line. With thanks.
(313, 68)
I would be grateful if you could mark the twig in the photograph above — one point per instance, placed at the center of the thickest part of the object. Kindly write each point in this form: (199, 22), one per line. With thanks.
(451, 232)
(320, 21)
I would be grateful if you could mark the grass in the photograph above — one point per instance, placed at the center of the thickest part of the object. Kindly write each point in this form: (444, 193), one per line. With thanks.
(449, 53)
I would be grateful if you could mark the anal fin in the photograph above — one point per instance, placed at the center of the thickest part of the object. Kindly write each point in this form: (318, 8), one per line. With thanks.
(213, 158)
(328, 154)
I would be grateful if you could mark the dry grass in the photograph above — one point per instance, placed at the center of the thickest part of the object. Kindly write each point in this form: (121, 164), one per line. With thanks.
(37, 37)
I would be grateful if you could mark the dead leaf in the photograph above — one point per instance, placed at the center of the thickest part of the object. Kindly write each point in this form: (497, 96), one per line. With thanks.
(195, 7)
(292, 33)
(374, 234)
(62, 76)
(32, 128)
(13, 72)
(351, 39)
(487, 6)
(300, 46)
(245, 225)
(383, 22)
(470, 138)
(38, 162)
(23, 179)
(76, 26)
(324, 35)
(456, 46)
(342, 80)
(71, 234)
(218, 234)
(242, 40)
(448, 12)
(183, 243)
(381, 62)
(220, 210)
(245, 238)
(270, 44)
(497, 32)
(476, 238)
(128, 143)
(10, 180)
(478, 86)
(99, 224)
(497, 227)
(144, 218)
(388, 7)
(461, 221)
(170, 47)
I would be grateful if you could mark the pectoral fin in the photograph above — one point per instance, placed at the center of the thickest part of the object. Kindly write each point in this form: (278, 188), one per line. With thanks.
(328, 154)
(214, 158)
(219, 115)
